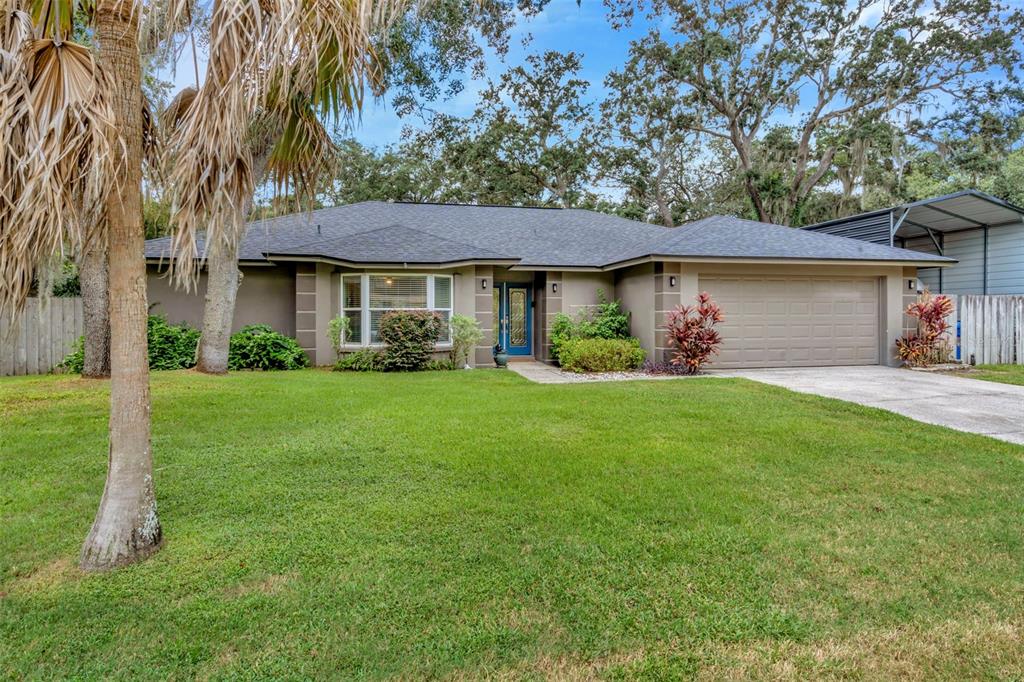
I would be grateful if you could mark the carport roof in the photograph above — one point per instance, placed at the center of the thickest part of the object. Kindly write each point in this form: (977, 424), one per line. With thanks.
(964, 210)
(376, 233)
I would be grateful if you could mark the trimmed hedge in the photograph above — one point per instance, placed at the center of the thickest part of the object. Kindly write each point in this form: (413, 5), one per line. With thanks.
(601, 355)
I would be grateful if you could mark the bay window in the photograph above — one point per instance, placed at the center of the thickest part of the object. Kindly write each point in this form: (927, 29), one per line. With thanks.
(365, 299)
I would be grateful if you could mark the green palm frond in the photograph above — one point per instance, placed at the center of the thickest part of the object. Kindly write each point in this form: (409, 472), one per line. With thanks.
(302, 153)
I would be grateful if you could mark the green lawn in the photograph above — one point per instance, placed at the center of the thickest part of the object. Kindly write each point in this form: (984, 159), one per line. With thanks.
(1004, 374)
(471, 524)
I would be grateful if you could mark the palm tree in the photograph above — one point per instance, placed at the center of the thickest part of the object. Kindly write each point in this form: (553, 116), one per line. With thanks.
(71, 153)
(288, 145)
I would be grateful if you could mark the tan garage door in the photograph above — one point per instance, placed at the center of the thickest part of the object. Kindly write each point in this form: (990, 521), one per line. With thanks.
(782, 321)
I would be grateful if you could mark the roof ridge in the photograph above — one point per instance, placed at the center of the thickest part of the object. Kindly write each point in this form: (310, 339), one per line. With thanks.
(342, 238)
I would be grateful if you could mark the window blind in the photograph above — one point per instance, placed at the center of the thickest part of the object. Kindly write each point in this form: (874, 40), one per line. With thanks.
(398, 291)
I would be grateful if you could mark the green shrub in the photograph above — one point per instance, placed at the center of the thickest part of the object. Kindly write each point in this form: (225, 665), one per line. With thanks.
(563, 329)
(601, 355)
(74, 361)
(338, 330)
(606, 321)
(67, 283)
(365, 360)
(466, 334)
(409, 337)
(258, 346)
(171, 346)
(442, 365)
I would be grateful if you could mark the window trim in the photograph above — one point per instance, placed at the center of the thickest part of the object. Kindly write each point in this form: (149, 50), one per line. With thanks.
(365, 310)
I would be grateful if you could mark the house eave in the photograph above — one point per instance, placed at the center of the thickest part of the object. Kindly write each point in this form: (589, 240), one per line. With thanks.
(242, 262)
(768, 260)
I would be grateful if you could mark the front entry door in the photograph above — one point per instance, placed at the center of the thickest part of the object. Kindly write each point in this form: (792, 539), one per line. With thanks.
(515, 312)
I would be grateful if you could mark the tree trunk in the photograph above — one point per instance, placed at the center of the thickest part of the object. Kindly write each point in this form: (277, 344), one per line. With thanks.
(126, 528)
(222, 283)
(222, 280)
(92, 274)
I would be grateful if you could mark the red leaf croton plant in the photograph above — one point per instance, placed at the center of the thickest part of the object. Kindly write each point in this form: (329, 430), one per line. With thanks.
(692, 334)
(928, 344)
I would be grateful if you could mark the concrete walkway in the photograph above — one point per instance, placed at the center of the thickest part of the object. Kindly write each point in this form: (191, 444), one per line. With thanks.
(542, 373)
(971, 405)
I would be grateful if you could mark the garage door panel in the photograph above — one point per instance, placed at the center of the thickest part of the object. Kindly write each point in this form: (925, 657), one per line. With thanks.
(796, 321)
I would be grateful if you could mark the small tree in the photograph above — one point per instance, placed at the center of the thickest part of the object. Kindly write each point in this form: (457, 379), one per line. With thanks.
(338, 330)
(466, 334)
(692, 334)
(927, 345)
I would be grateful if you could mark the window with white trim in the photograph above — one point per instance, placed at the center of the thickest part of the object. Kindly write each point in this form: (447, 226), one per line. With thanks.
(365, 299)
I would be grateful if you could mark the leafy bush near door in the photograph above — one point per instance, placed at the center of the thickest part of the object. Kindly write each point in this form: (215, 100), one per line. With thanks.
(258, 346)
(601, 355)
(607, 321)
(466, 334)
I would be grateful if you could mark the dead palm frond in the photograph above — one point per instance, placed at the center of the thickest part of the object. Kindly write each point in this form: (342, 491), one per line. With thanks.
(291, 60)
(57, 132)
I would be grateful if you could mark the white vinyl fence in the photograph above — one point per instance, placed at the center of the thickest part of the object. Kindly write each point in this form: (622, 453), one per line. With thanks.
(992, 330)
(40, 336)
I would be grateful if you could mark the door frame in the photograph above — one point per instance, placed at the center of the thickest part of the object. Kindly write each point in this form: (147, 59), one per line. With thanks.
(503, 289)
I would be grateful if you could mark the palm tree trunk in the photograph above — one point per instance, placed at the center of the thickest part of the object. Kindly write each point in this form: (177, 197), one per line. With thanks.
(92, 274)
(222, 280)
(126, 528)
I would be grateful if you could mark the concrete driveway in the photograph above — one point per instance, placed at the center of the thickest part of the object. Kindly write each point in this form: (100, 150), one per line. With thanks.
(971, 405)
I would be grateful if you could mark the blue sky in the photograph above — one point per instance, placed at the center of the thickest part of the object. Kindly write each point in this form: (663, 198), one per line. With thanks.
(563, 26)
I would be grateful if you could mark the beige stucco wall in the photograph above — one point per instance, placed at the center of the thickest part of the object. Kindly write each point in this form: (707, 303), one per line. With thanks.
(580, 290)
(265, 296)
(634, 286)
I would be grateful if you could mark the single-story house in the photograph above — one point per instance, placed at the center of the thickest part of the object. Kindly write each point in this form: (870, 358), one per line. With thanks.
(984, 233)
(790, 297)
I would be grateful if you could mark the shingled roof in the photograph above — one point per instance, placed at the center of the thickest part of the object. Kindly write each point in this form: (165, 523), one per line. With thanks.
(374, 232)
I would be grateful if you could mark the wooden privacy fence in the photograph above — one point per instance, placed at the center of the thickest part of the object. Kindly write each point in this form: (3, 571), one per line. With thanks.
(40, 336)
(992, 329)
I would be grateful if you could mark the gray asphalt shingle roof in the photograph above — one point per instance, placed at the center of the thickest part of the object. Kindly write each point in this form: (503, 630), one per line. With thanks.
(381, 232)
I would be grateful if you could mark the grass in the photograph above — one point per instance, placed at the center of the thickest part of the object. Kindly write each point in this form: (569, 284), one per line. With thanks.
(1004, 374)
(468, 525)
